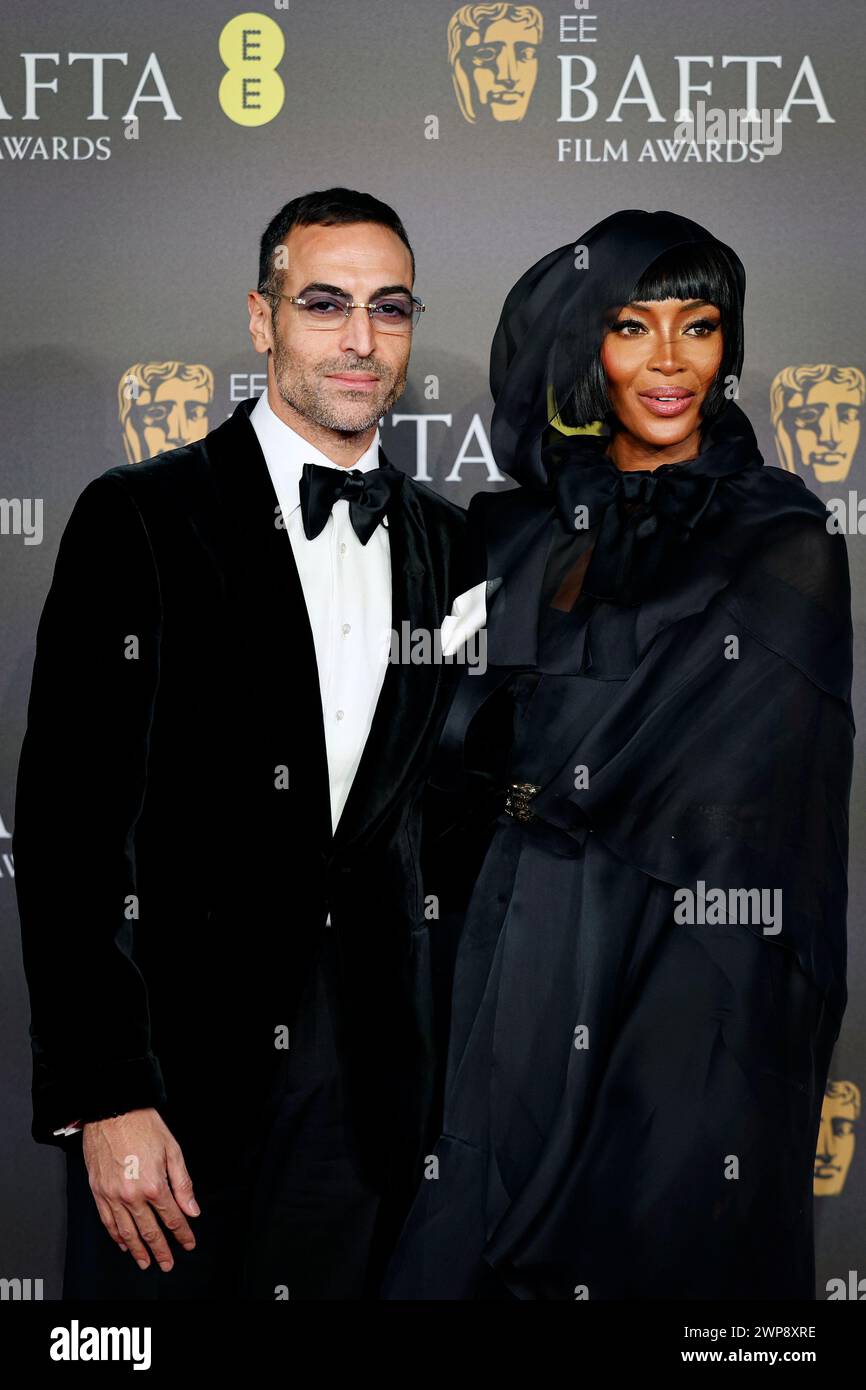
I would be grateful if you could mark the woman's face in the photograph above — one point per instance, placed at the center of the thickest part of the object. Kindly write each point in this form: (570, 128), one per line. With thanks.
(660, 359)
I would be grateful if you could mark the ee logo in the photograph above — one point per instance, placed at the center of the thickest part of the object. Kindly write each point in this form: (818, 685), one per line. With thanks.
(251, 47)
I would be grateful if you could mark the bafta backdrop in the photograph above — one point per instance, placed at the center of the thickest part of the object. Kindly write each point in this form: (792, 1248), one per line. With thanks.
(143, 148)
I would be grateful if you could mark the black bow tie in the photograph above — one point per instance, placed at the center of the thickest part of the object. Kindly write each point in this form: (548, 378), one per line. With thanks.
(368, 494)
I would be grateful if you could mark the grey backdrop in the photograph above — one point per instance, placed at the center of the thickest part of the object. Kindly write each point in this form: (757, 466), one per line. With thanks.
(141, 250)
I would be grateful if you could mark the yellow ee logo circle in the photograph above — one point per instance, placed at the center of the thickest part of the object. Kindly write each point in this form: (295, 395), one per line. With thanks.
(251, 47)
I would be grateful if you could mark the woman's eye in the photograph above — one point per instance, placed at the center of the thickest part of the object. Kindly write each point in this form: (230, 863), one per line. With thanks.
(699, 329)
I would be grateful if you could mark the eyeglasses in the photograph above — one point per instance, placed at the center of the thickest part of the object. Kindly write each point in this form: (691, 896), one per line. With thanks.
(392, 313)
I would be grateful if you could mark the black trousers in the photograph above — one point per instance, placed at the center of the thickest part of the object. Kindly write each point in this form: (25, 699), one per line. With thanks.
(298, 1221)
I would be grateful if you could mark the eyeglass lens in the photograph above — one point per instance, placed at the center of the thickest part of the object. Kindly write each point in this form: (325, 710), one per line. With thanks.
(392, 313)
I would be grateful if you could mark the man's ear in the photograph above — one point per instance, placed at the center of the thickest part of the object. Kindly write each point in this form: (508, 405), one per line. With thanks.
(261, 323)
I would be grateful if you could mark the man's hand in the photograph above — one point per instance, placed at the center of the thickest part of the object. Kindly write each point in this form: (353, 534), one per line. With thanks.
(137, 1173)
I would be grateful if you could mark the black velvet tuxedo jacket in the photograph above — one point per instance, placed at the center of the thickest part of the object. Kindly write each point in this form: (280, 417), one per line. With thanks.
(172, 888)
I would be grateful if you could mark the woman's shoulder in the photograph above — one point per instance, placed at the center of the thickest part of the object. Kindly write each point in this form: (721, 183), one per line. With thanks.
(795, 539)
(792, 589)
(501, 502)
(493, 512)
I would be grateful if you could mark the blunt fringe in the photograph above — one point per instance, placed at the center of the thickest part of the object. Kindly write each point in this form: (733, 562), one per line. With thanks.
(683, 272)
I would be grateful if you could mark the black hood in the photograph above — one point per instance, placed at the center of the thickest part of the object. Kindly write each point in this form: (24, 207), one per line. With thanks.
(553, 322)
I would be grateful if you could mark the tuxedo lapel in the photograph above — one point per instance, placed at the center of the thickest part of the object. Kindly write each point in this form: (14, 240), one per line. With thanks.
(409, 692)
(279, 645)
(269, 616)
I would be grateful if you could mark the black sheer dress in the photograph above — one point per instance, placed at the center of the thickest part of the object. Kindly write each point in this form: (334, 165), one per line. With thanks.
(651, 972)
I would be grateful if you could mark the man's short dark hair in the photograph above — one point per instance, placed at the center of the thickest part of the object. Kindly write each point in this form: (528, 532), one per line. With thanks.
(332, 207)
(683, 272)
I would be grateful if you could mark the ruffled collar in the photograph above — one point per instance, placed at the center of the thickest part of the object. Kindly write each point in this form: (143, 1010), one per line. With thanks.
(642, 519)
(662, 542)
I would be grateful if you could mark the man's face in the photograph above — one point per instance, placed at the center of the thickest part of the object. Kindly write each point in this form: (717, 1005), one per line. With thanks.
(504, 66)
(348, 377)
(825, 425)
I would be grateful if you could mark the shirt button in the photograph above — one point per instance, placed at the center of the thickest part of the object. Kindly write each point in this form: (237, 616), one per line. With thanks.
(342, 547)
(347, 628)
(339, 714)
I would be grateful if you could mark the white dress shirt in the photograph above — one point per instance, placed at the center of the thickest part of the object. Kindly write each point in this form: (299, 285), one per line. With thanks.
(347, 590)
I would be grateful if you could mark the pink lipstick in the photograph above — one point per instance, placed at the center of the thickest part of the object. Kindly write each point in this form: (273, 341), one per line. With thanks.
(670, 400)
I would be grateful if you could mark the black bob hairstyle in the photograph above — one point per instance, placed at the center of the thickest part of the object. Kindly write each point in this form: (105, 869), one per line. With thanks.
(690, 271)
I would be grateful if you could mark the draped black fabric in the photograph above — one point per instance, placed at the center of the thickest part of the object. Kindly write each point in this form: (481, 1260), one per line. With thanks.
(553, 320)
(633, 1090)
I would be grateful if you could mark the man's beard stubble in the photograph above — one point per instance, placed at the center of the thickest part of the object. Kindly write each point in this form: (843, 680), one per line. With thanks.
(302, 388)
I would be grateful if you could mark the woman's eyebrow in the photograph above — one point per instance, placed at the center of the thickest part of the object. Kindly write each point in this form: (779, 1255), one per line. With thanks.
(689, 304)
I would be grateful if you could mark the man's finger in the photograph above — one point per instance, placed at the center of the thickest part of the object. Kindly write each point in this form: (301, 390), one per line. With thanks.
(180, 1180)
(106, 1216)
(129, 1235)
(173, 1219)
(151, 1232)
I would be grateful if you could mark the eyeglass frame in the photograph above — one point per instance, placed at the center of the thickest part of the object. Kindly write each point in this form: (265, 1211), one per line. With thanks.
(350, 305)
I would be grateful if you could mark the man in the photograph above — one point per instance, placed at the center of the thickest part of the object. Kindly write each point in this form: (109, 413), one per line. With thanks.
(229, 980)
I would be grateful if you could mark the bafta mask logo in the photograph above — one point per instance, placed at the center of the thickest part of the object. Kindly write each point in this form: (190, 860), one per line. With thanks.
(839, 1113)
(492, 51)
(816, 416)
(163, 405)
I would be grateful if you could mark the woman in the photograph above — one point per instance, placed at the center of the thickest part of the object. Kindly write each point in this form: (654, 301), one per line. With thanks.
(651, 973)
